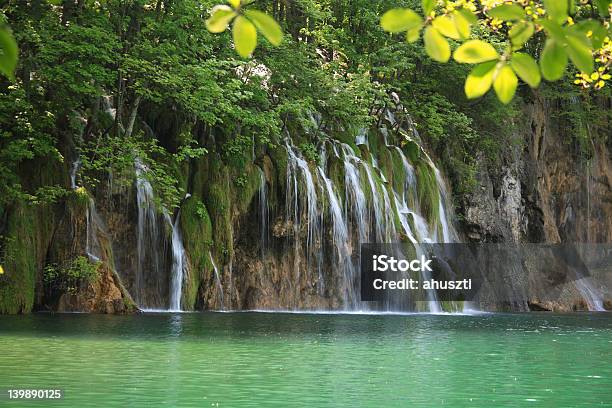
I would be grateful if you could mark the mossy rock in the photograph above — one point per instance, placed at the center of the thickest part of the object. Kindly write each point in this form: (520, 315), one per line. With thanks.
(196, 227)
(219, 206)
(245, 186)
(428, 192)
(19, 261)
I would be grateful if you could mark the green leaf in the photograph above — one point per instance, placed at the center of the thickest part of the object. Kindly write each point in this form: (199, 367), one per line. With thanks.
(436, 45)
(413, 34)
(505, 84)
(554, 30)
(468, 15)
(267, 25)
(446, 26)
(520, 33)
(474, 52)
(580, 53)
(245, 36)
(553, 60)
(9, 53)
(479, 81)
(462, 24)
(399, 19)
(428, 6)
(557, 10)
(603, 6)
(508, 12)
(526, 68)
(598, 31)
(220, 18)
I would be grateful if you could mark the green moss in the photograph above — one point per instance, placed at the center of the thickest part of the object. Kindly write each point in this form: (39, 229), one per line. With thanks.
(385, 164)
(375, 140)
(398, 177)
(428, 193)
(250, 183)
(413, 150)
(219, 205)
(19, 261)
(348, 137)
(196, 227)
(279, 159)
(336, 175)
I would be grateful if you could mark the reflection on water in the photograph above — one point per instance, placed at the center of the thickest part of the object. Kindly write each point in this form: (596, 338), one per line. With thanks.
(263, 359)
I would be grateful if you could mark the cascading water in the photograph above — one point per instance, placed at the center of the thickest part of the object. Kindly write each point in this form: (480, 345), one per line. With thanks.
(341, 242)
(217, 280)
(303, 207)
(148, 288)
(179, 266)
(74, 170)
(590, 295)
(263, 211)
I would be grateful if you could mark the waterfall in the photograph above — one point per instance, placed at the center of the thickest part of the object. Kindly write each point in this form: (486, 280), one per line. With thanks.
(217, 280)
(340, 241)
(151, 244)
(377, 210)
(354, 195)
(448, 232)
(590, 295)
(179, 266)
(74, 169)
(263, 211)
(298, 170)
(93, 224)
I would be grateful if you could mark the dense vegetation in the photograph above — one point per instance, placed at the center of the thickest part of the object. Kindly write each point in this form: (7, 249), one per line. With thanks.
(159, 63)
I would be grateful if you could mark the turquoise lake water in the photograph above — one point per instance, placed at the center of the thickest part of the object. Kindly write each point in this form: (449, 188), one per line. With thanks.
(310, 360)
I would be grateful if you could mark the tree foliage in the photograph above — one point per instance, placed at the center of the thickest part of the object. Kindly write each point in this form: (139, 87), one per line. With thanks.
(568, 30)
(117, 80)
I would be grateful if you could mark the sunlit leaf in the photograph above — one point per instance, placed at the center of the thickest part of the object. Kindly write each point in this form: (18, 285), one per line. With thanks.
(462, 24)
(220, 18)
(413, 34)
(597, 31)
(553, 60)
(428, 6)
(267, 25)
(400, 19)
(235, 3)
(436, 45)
(9, 53)
(526, 68)
(474, 52)
(557, 10)
(508, 12)
(446, 26)
(468, 15)
(479, 81)
(505, 84)
(554, 30)
(580, 53)
(520, 33)
(245, 36)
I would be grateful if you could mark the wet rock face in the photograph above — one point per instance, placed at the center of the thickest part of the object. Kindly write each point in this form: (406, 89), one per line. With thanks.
(106, 294)
(547, 191)
(482, 220)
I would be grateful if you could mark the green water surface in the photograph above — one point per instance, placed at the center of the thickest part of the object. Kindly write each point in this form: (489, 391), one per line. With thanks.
(309, 360)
